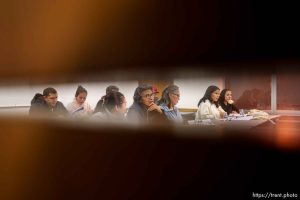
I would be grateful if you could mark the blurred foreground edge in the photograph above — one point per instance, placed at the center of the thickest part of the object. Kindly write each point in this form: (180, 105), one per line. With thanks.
(41, 159)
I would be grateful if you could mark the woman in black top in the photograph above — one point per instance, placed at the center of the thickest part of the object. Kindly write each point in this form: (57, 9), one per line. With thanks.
(226, 102)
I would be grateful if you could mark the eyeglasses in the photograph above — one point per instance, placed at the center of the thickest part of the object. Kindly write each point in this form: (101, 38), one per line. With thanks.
(178, 95)
(149, 95)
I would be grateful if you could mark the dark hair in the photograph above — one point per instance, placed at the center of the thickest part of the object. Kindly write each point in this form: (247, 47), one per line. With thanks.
(138, 91)
(208, 93)
(49, 90)
(111, 88)
(113, 99)
(165, 98)
(79, 90)
(222, 96)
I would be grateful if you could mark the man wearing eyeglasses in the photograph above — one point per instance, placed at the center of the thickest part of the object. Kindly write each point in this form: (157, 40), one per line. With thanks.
(47, 103)
(144, 110)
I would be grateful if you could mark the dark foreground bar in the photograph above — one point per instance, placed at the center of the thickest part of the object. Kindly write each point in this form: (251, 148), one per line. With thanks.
(49, 160)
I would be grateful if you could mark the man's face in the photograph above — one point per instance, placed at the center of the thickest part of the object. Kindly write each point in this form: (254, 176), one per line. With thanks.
(51, 99)
(147, 97)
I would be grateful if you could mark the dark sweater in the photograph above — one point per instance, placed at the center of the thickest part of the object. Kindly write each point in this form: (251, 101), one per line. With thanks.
(229, 108)
(137, 113)
(40, 107)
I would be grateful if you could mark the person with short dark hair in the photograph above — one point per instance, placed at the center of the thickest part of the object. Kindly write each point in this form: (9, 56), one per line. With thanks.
(227, 103)
(167, 102)
(47, 103)
(109, 89)
(144, 110)
(208, 105)
(79, 107)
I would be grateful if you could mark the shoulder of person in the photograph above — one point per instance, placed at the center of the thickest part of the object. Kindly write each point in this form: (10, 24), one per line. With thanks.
(99, 115)
(37, 99)
(176, 108)
(133, 110)
(164, 107)
(135, 106)
(207, 103)
(70, 105)
(60, 104)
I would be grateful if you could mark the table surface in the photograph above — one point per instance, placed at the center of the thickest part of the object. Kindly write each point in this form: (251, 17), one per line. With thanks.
(236, 123)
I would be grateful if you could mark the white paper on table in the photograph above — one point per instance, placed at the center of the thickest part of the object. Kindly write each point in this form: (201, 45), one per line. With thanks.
(201, 122)
(243, 118)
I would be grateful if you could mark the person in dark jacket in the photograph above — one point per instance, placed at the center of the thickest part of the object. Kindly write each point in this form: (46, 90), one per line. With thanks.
(47, 103)
(227, 103)
(144, 110)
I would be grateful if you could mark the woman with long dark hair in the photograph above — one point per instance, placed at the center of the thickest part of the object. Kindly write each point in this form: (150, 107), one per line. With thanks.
(208, 106)
(99, 107)
(114, 108)
(227, 103)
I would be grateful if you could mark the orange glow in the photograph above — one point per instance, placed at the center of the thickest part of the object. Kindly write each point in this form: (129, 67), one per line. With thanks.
(48, 38)
(287, 134)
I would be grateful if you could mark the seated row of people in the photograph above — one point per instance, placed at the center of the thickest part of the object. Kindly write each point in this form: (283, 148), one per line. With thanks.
(110, 89)
(113, 107)
(215, 105)
(145, 108)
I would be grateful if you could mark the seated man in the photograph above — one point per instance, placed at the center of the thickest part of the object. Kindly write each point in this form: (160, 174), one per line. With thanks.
(144, 110)
(47, 103)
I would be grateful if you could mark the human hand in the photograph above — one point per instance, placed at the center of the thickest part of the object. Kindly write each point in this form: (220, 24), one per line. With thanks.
(230, 101)
(153, 106)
